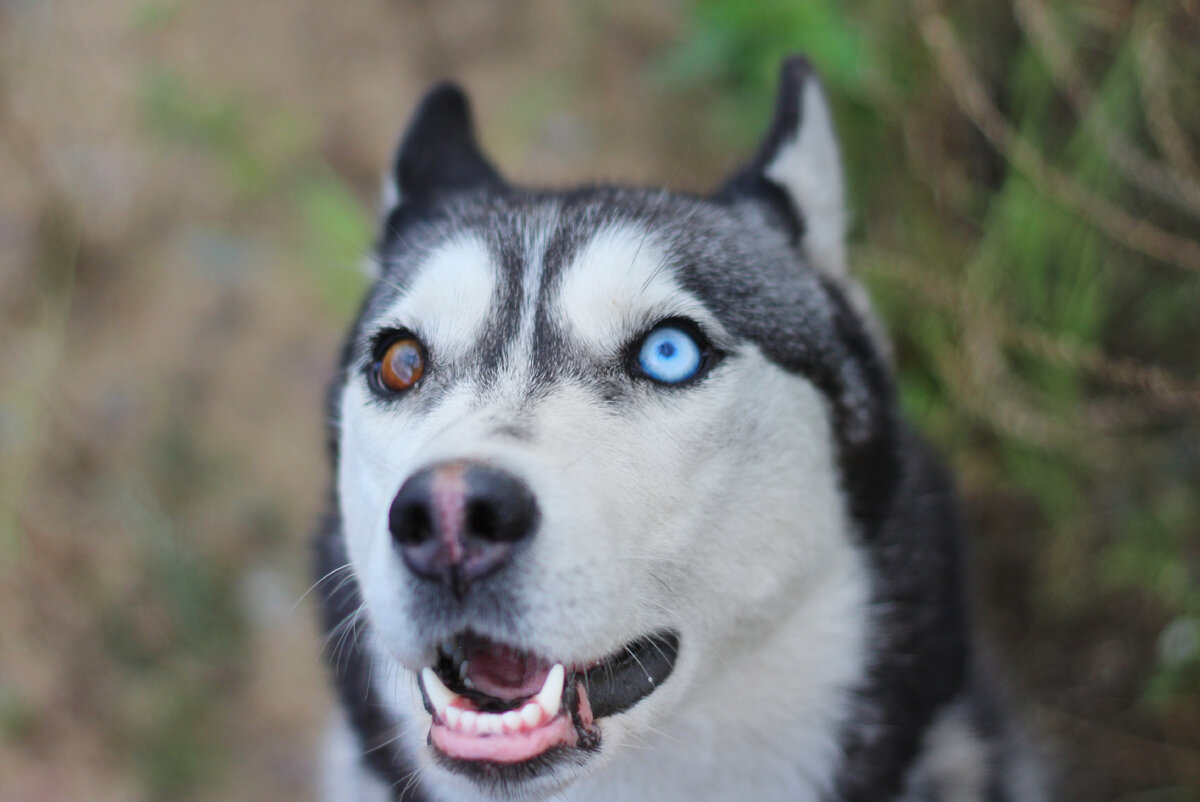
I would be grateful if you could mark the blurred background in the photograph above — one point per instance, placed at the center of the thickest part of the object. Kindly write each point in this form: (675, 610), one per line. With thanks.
(187, 188)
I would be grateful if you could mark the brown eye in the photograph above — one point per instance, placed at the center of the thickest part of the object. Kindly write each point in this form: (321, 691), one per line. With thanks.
(402, 365)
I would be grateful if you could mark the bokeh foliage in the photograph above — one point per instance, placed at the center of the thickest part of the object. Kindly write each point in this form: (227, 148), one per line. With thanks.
(1028, 217)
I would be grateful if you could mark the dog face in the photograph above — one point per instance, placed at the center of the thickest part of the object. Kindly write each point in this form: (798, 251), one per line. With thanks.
(602, 452)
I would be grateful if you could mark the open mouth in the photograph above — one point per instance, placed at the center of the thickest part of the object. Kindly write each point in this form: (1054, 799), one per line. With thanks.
(498, 708)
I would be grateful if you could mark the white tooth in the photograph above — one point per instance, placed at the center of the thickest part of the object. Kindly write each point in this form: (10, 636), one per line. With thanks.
(490, 724)
(550, 696)
(531, 714)
(469, 722)
(512, 721)
(453, 717)
(462, 669)
(439, 695)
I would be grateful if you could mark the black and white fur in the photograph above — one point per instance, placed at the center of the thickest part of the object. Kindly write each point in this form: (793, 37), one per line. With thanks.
(777, 513)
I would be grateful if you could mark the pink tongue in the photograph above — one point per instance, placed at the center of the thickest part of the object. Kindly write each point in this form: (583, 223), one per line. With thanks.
(504, 673)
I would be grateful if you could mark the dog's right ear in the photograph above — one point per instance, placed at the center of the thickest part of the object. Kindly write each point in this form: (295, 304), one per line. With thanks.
(438, 156)
(797, 170)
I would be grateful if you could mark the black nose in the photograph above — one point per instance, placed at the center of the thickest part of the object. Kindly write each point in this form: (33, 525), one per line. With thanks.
(458, 522)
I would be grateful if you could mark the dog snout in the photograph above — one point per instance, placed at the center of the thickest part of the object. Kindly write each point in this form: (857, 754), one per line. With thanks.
(459, 522)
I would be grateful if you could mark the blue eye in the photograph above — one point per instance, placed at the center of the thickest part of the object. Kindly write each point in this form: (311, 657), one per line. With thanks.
(670, 355)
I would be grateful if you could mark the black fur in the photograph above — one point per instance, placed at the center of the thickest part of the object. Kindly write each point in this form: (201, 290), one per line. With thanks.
(439, 155)
(438, 158)
(922, 648)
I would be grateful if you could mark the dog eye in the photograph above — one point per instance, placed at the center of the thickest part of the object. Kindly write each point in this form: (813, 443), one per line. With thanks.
(671, 354)
(401, 366)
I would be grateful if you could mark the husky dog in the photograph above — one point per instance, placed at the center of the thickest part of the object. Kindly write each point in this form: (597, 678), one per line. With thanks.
(624, 509)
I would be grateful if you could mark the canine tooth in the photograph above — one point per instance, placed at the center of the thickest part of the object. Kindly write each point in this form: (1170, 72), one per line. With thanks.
(550, 696)
(462, 669)
(531, 714)
(439, 695)
(469, 721)
(453, 717)
(512, 721)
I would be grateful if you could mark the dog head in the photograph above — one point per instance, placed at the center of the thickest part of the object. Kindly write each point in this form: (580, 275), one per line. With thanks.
(594, 445)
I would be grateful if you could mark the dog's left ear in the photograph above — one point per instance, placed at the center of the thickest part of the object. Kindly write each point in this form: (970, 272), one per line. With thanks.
(438, 156)
(798, 172)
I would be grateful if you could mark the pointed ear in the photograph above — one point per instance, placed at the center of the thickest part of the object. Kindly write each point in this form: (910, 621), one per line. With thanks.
(438, 155)
(798, 172)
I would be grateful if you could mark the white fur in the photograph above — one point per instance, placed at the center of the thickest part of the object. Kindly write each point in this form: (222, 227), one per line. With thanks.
(535, 240)
(344, 777)
(618, 285)
(448, 302)
(672, 513)
(809, 169)
(389, 194)
(389, 199)
(954, 762)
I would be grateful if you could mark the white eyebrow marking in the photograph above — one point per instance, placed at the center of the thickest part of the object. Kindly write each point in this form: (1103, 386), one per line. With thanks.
(617, 284)
(449, 302)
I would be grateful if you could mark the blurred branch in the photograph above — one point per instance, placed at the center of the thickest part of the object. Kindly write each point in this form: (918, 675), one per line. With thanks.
(1170, 392)
(1150, 52)
(1013, 409)
(1186, 759)
(1151, 176)
(971, 96)
(976, 378)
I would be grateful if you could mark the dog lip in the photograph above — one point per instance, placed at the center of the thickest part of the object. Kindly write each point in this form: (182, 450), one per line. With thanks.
(606, 687)
(614, 683)
(620, 681)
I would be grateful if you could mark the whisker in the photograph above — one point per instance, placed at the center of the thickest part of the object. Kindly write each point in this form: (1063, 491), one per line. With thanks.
(317, 584)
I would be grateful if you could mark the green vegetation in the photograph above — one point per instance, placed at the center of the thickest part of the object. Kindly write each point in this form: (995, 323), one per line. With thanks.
(1028, 210)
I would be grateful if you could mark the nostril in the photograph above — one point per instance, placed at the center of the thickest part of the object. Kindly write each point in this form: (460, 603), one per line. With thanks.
(411, 517)
(411, 524)
(482, 520)
(500, 508)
